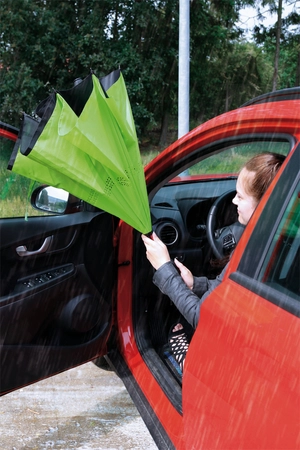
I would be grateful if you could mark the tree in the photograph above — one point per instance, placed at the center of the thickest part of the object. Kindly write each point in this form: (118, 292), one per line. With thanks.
(224, 70)
(47, 44)
(277, 47)
(279, 40)
(42, 48)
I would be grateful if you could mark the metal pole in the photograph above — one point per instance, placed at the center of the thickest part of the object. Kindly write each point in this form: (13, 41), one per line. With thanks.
(184, 68)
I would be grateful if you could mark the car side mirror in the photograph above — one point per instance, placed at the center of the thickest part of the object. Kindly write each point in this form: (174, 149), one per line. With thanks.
(54, 200)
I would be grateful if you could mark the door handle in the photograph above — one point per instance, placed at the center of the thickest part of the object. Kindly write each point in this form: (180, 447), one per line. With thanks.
(22, 249)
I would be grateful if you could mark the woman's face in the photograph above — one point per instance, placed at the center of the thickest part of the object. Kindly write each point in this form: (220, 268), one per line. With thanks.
(245, 203)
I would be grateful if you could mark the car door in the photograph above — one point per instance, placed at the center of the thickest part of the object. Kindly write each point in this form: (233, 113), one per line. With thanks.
(57, 279)
(246, 374)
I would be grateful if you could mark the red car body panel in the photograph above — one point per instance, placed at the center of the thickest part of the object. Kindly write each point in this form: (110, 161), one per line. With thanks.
(247, 384)
(8, 135)
(238, 364)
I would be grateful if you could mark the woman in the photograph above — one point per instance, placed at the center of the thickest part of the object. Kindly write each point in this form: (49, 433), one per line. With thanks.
(186, 291)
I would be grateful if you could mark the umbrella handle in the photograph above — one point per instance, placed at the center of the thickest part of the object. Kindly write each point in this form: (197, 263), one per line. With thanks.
(150, 234)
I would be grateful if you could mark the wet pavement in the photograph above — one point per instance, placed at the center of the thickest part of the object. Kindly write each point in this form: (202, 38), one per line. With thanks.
(84, 408)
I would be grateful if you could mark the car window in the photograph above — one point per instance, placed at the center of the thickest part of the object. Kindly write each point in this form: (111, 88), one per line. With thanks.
(15, 189)
(281, 268)
(234, 157)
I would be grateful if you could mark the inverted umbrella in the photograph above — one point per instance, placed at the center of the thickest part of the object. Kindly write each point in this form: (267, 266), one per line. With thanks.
(36, 171)
(85, 142)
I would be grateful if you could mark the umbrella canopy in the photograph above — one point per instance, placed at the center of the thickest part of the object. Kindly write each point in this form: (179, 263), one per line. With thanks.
(85, 142)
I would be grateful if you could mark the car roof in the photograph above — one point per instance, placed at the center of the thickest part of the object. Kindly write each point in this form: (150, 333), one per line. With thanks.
(275, 96)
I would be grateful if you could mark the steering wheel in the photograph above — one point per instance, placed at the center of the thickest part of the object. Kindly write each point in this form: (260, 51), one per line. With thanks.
(223, 240)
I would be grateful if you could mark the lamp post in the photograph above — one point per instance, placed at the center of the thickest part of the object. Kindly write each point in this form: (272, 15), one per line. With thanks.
(184, 68)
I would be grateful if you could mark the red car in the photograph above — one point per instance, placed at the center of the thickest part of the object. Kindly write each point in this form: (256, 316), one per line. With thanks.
(76, 286)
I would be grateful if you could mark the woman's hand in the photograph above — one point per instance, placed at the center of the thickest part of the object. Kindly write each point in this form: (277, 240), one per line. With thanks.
(156, 251)
(185, 273)
(158, 254)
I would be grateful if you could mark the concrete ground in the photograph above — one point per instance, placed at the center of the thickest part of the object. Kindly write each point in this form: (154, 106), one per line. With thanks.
(84, 408)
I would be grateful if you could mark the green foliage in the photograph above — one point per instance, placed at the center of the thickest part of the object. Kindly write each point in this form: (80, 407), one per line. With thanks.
(11, 183)
(47, 44)
(265, 38)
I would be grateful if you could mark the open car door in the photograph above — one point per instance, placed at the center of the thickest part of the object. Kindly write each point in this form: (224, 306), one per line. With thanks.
(57, 279)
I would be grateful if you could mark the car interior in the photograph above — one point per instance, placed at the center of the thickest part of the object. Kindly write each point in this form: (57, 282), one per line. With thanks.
(180, 213)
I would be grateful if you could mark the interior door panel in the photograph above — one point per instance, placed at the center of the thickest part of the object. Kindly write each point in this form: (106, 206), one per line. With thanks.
(56, 298)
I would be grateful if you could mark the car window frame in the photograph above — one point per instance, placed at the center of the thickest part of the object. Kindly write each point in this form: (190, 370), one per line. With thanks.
(201, 152)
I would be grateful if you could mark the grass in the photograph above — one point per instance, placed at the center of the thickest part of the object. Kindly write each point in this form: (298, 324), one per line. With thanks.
(15, 189)
(148, 155)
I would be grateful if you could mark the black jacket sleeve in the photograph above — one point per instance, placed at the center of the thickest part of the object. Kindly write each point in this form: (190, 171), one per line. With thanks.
(188, 301)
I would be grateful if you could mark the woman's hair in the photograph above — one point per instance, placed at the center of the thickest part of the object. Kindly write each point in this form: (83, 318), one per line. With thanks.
(265, 166)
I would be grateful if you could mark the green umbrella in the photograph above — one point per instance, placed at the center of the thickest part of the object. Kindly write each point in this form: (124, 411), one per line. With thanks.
(86, 143)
